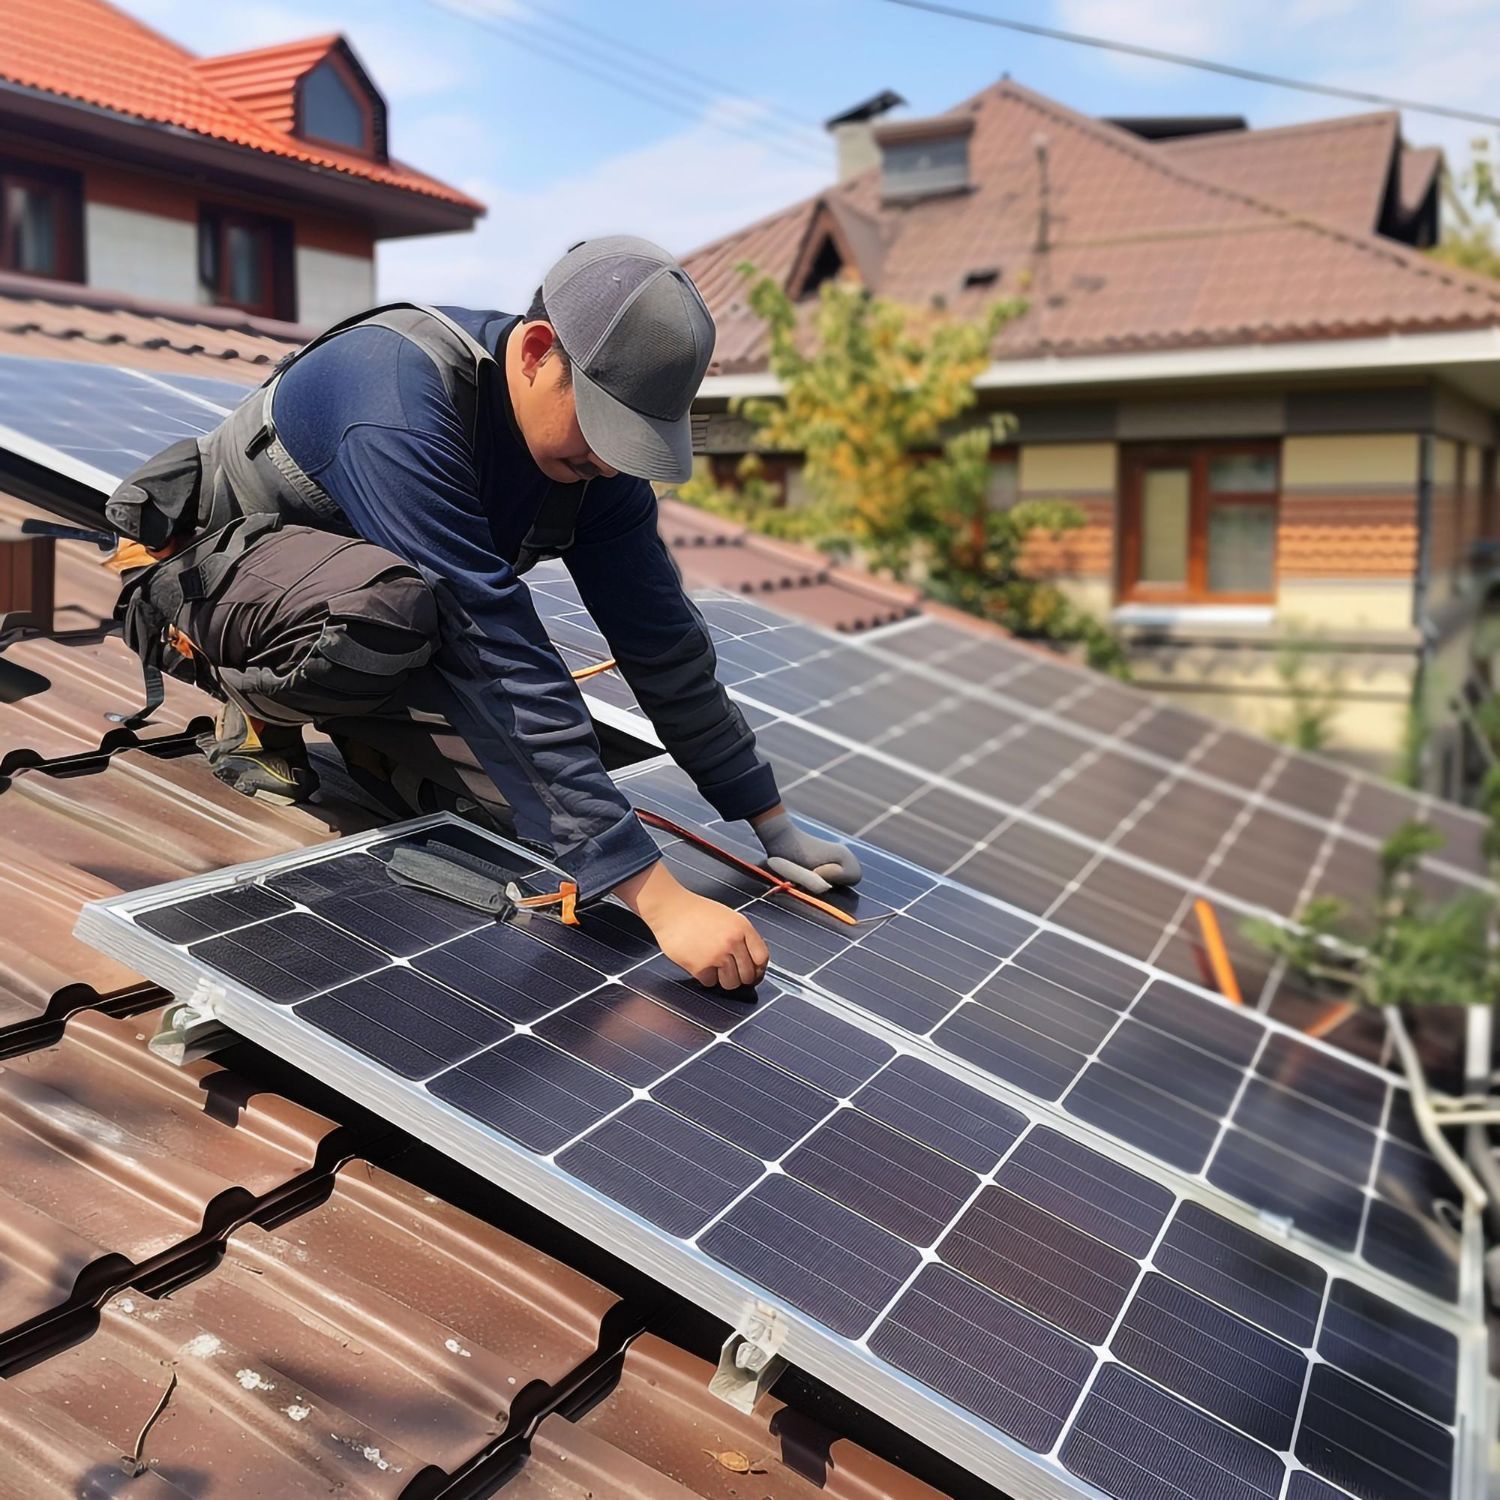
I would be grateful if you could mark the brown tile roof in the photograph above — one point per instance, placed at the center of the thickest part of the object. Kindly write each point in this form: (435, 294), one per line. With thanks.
(717, 554)
(92, 52)
(1333, 170)
(1144, 250)
(50, 320)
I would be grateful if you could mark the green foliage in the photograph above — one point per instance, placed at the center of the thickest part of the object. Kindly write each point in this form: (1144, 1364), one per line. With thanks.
(1471, 204)
(878, 399)
(1415, 732)
(1312, 688)
(1404, 949)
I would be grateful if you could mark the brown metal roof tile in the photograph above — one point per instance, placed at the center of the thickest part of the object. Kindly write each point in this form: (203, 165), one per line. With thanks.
(112, 1156)
(230, 1421)
(568, 1462)
(662, 1416)
(419, 1320)
(46, 1455)
(382, 1336)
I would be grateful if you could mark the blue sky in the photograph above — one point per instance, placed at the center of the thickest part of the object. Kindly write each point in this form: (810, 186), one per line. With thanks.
(558, 155)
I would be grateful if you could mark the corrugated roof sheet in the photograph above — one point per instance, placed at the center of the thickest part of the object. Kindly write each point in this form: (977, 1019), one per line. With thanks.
(112, 1157)
(91, 52)
(1141, 250)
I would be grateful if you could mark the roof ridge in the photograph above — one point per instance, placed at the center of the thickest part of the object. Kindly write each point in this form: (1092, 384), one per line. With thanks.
(1369, 244)
(322, 39)
(1225, 138)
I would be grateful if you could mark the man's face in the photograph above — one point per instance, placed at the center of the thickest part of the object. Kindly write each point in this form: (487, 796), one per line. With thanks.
(545, 412)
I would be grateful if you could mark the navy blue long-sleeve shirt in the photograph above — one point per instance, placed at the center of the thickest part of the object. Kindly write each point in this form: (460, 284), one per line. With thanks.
(367, 416)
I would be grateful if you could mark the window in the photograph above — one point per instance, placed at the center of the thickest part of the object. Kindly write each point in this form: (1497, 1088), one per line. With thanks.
(1199, 524)
(40, 213)
(245, 261)
(337, 104)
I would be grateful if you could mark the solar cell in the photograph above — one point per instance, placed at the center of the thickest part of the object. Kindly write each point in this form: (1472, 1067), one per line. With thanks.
(1243, 1271)
(1138, 1443)
(930, 1106)
(981, 1351)
(1368, 1444)
(1213, 1359)
(531, 1092)
(880, 1189)
(818, 1255)
(1109, 1201)
(411, 1025)
(747, 1101)
(662, 1167)
(1390, 1348)
(289, 957)
(1042, 1263)
(878, 1172)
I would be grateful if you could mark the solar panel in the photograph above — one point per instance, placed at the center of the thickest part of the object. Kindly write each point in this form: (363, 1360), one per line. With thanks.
(1285, 1126)
(1036, 1300)
(96, 423)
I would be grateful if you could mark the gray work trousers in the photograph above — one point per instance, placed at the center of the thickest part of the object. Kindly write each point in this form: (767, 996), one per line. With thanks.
(317, 628)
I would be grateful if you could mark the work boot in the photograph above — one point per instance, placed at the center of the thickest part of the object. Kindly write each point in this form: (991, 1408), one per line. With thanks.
(268, 761)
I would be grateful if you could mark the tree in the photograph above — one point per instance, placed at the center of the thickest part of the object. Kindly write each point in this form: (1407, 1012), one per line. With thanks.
(1472, 203)
(896, 466)
(1404, 948)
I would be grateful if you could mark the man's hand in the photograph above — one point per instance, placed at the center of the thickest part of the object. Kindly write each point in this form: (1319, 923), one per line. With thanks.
(714, 944)
(816, 865)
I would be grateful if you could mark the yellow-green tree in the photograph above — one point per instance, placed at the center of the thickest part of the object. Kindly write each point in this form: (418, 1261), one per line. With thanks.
(1472, 202)
(878, 399)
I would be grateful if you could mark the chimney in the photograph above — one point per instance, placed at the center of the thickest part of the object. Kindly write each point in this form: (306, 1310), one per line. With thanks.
(924, 158)
(854, 133)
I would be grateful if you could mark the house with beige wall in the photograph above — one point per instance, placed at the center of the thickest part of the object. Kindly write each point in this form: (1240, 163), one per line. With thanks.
(1275, 412)
(258, 181)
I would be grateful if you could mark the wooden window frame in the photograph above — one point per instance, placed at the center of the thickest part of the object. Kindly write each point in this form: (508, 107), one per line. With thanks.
(370, 145)
(1195, 457)
(276, 267)
(67, 189)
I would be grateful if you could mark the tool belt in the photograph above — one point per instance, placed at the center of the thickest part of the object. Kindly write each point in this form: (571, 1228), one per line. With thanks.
(200, 504)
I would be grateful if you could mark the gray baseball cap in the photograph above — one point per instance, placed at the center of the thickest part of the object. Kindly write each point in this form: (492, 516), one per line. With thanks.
(639, 337)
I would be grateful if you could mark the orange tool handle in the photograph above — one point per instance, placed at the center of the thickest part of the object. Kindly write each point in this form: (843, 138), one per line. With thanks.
(1218, 954)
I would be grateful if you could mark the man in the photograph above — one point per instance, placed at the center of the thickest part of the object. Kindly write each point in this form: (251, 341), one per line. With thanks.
(346, 550)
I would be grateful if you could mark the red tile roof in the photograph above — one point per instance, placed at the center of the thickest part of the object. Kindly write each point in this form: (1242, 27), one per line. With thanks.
(89, 51)
(1144, 251)
(265, 80)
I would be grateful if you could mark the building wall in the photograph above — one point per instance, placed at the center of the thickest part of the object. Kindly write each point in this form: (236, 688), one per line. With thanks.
(144, 254)
(140, 235)
(331, 285)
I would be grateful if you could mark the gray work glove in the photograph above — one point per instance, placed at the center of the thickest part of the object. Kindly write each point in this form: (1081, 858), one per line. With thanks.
(816, 865)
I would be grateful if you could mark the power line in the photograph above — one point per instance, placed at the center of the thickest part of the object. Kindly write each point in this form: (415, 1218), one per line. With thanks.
(780, 118)
(680, 102)
(958, 13)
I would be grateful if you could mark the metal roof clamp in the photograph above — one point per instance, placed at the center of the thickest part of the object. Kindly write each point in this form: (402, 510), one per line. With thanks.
(190, 1029)
(750, 1361)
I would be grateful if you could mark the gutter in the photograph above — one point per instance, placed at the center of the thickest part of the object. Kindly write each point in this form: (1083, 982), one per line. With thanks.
(1388, 353)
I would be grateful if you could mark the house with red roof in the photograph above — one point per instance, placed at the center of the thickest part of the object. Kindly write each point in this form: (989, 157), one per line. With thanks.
(259, 182)
(1275, 411)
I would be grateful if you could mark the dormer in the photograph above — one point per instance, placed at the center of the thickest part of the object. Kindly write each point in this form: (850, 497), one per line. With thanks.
(840, 243)
(317, 90)
(924, 158)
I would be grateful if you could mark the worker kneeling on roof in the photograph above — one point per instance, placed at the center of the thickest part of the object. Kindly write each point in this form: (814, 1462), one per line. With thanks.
(346, 549)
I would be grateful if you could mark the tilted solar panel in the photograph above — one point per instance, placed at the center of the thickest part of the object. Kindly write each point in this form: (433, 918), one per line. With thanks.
(965, 1252)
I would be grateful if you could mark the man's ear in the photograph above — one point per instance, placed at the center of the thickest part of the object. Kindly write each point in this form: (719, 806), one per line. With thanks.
(537, 340)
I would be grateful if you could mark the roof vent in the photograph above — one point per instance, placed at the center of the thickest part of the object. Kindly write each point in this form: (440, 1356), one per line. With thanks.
(924, 158)
(981, 276)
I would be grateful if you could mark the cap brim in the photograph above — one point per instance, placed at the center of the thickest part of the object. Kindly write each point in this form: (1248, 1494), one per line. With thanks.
(648, 447)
